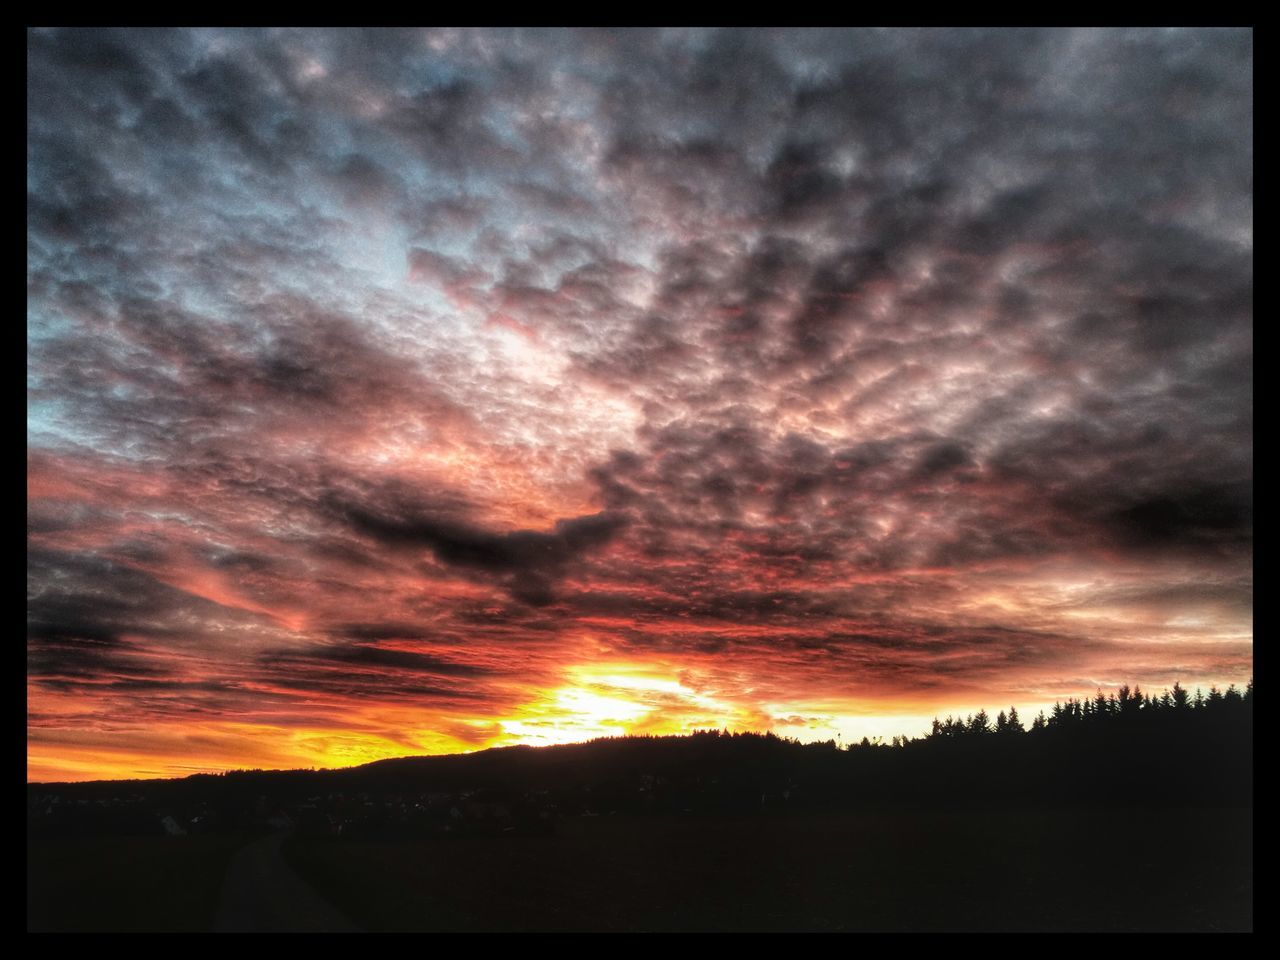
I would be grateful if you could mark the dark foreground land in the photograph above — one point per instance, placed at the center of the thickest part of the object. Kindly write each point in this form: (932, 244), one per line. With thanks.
(126, 883)
(1168, 870)
(1125, 813)
(927, 870)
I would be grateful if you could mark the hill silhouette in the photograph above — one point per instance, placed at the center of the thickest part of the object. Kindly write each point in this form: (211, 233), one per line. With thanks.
(1126, 749)
(1120, 812)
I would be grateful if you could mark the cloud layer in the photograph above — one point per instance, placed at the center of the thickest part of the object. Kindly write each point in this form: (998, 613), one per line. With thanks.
(404, 391)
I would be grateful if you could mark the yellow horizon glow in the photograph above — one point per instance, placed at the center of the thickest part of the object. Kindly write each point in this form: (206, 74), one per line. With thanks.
(612, 699)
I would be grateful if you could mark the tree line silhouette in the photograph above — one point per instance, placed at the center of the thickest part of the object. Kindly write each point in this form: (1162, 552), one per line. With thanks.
(1126, 706)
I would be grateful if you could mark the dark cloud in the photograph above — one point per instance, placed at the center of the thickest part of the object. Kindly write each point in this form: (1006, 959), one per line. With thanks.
(530, 560)
(1196, 518)
(395, 363)
(373, 657)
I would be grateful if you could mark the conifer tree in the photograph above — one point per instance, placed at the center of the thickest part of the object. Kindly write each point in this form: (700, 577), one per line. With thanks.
(1015, 723)
(980, 723)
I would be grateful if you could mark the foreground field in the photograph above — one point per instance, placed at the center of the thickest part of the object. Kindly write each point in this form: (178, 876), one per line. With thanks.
(1044, 870)
(1049, 870)
(115, 884)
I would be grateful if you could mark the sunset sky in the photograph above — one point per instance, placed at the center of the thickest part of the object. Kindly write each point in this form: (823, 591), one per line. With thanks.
(412, 392)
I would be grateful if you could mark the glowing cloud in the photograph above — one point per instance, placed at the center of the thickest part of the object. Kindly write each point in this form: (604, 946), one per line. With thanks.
(394, 392)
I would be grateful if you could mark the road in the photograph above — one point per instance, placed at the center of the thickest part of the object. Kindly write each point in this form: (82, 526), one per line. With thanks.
(262, 893)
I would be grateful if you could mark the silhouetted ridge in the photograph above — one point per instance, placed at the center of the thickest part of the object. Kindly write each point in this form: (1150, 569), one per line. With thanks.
(1125, 749)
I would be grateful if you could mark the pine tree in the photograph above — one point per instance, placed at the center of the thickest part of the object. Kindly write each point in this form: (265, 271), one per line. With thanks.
(1100, 704)
(1130, 701)
(980, 723)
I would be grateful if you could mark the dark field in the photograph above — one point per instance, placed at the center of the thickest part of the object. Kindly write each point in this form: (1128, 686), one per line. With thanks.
(1088, 825)
(1177, 870)
(110, 884)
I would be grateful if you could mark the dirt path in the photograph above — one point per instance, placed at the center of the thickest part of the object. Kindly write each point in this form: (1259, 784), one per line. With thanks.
(262, 893)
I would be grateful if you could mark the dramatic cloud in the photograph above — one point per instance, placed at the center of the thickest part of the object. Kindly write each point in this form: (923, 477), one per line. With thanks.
(410, 391)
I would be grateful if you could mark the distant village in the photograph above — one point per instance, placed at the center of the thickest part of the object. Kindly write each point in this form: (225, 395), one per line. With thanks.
(337, 814)
(367, 814)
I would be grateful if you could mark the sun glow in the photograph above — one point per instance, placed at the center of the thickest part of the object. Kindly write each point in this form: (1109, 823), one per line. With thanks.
(609, 700)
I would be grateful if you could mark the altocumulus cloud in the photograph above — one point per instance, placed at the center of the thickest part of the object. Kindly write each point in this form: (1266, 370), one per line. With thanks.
(379, 378)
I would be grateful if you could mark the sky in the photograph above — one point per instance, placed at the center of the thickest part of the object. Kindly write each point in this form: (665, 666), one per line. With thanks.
(420, 391)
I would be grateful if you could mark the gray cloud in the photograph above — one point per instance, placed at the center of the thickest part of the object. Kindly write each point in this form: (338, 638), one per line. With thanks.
(672, 330)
